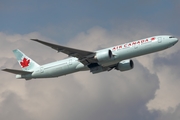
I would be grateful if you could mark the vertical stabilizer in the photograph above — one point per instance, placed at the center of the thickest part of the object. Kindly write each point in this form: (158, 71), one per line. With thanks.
(26, 63)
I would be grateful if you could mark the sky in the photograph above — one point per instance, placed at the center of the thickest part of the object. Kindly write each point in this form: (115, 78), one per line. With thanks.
(147, 92)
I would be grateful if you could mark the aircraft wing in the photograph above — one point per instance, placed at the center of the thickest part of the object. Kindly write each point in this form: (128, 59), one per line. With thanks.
(20, 72)
(86, 57)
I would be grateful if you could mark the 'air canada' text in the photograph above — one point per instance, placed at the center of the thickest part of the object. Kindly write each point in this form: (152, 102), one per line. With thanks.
(134, 43)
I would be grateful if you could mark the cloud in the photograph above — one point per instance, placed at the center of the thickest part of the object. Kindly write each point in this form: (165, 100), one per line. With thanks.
(171, 114)
(108, 95)
(11, 107)
(167, 69)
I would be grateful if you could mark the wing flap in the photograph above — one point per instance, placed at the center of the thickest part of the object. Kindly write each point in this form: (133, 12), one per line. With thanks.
(20, 72)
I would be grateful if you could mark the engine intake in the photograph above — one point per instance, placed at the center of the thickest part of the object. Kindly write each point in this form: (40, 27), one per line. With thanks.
(125, 65)
(103, 57)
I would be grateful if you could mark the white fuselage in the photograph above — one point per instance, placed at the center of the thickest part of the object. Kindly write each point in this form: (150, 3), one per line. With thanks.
(120, 52)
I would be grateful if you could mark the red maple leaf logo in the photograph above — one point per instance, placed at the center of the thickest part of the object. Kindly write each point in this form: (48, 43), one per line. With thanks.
(24, 63)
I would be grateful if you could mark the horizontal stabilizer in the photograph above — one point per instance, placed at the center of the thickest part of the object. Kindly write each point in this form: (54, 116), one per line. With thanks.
(20, 72)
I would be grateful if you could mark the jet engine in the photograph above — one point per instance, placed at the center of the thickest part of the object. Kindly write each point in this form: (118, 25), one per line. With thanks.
(104, 57)
(125, 65)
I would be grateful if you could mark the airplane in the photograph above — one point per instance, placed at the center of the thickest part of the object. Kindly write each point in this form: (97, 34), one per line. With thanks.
(117, 57)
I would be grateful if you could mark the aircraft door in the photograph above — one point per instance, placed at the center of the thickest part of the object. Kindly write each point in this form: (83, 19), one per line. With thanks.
(136, 46)
(70, 62)
(159, 39)
(41, 70)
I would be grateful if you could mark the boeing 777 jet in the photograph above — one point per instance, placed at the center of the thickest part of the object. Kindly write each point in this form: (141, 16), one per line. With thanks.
(117, 57)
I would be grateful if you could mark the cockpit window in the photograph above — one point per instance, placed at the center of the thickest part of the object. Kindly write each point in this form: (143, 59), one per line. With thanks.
(171, 37)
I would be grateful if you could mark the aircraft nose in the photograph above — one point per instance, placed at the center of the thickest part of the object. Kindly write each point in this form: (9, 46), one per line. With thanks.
(173, 40)
(176, 40)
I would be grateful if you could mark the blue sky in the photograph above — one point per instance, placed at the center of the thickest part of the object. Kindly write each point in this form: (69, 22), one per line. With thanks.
(76, 16)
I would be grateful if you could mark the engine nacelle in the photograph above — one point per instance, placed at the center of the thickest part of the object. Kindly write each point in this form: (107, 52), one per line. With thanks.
(104, 57)
(125, 65)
